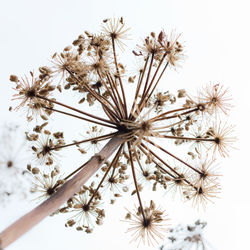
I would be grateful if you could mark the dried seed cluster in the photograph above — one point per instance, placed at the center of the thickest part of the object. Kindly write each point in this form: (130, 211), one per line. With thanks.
(151, 122)
(15, 181)
(186, 237)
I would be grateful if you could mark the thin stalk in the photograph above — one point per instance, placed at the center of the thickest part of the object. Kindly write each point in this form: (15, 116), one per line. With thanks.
(168, 166)
(138, 161)
(76, 110)
(65, 192)
(138, 88)
(156, 163)
(136, 96)
(185, 138)
(155, 74)
(120, 80)
(149, 72)
(114, 85)
(81, 118)
(98, 138)
(177, 115)
(175, 157)
(147, 97)
(68, 176)
(74, 172)
(152, 91)
(98, 97)
(112, 95)
(113, 171)
(135, 181)
(113, 163)
(167, 126)
(109, 115)
(168, 112)
(155, 155)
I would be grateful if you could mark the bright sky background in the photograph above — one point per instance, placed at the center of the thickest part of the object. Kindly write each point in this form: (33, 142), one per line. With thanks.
(216, 35)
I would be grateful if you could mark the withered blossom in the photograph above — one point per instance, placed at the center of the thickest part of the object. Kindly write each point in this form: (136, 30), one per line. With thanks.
(143, 127)
(45, 183)
(14, 181)
(86, 210)
(187, 237)
(147, 225)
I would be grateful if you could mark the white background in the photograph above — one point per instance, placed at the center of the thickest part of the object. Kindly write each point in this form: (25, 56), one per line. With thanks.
(216, 35)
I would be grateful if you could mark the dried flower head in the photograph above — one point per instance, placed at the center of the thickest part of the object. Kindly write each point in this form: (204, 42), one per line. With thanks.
(186, 237)
(45, 183)
(217, 98)
(147, 225)
(202, 193)
(142, 126)
(115, 30)
(86, 209)
(28, 92)
(14, 181)
(222, 138)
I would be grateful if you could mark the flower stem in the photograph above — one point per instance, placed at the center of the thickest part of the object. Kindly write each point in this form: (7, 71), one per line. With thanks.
(66, 191)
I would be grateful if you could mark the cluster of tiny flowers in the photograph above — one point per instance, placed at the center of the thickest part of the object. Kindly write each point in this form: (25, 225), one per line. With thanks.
(151, 123)
(15, 180)
(187, 237)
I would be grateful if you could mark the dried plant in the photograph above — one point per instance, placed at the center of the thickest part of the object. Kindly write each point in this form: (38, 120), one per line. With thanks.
(187, 237)
(144, 131)
(15, 180)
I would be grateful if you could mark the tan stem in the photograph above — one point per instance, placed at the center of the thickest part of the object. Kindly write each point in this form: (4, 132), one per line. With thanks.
(72, 186)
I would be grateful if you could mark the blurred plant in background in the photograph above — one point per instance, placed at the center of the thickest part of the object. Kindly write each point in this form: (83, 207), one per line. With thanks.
(145, 128)
(188, 237)
(15, 181)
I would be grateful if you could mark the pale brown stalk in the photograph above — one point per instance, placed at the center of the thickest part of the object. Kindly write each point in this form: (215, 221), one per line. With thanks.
(72, 186)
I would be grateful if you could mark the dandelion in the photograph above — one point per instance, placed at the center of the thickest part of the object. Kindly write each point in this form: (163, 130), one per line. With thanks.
(137, 135)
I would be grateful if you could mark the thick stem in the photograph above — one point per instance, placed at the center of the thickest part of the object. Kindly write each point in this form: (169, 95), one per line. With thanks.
(25, 223)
